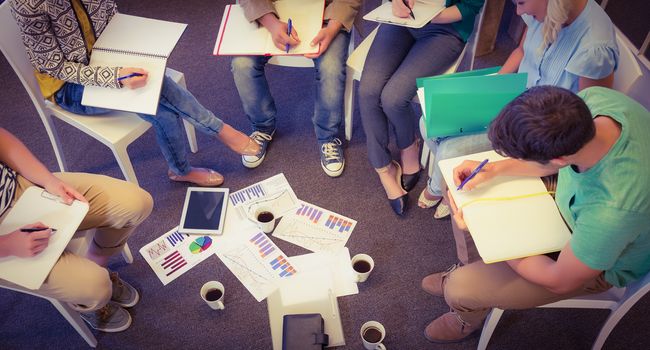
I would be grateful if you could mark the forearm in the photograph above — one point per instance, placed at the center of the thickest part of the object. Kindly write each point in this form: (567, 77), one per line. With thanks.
(516, 167)
(511, 65)
(14, 153)
(538, 269)
(450, 14)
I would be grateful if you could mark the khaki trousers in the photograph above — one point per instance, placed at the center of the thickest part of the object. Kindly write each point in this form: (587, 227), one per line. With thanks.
(116, 209)
(474, 289)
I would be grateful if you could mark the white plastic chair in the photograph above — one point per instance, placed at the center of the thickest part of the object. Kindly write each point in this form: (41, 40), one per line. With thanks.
(116, 130)
(628, 71)
(357, 60)
(618, 300)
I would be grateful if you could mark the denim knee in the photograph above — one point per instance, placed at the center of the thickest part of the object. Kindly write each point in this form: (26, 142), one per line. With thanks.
(246, 66)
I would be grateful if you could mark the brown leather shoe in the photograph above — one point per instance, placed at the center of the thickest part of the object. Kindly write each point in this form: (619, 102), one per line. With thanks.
(449, 328)
(199, 176)
(433, 284)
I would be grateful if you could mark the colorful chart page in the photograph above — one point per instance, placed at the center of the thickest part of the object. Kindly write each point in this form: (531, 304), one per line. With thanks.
(315, 228)
(274, 193)
(175, 253)
(256, 262)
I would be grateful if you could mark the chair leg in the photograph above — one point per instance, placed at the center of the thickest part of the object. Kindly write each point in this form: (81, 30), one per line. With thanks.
(123, 160)
(191, 136)
(424, 158)
(54, 139)
(488, 328)
(75, 320)
(348, 103)
(126, 254)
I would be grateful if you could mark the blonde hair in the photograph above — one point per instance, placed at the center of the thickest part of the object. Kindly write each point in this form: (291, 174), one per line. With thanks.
(557, 14)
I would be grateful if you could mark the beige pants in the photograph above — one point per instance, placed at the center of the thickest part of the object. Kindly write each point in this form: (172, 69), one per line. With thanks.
(116, 209)
(475, 288)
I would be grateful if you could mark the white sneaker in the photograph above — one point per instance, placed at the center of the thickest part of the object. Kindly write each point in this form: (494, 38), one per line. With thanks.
(263, 139)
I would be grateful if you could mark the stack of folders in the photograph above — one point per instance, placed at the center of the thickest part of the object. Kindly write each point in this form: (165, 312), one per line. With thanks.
(466, 102)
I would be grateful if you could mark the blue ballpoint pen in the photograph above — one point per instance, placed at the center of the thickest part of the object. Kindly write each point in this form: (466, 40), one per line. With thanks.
(130, 76)
(289, 34)
(474, 172)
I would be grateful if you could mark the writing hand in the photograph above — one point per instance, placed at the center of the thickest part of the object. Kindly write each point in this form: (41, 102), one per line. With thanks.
(25, 245)
(400, 8)
(68, 194)
(466, 168)
(278, 30)
(457, 214)
(324, 37)
(133, 82)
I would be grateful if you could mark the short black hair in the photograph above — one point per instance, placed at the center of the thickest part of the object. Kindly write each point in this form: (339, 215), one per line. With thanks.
(543, 123)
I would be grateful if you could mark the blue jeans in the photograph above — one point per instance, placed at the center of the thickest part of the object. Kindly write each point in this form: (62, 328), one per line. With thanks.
(450, 147)
(259, 106)
(398, 56)
(175, 103)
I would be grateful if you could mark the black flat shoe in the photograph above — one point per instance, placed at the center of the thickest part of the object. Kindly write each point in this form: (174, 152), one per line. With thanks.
(410, 180)
(399, 204)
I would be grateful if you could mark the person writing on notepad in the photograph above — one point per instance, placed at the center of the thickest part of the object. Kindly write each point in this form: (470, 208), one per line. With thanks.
(598, 143)
(59, 41)
(567, 43)
(329, 62)
(116, 209)
(398, 55)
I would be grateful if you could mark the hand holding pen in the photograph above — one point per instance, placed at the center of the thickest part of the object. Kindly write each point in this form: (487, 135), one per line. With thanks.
(468, 170)
(133, 78)
(403, 8)
(28, 241)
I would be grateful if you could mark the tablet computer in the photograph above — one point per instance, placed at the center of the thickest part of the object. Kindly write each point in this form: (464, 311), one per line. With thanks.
(204, 211)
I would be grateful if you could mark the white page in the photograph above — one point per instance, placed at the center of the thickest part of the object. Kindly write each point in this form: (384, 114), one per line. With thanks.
(274, 193)
(423, 10)
(141, 100)
(140, 34)
(37, 205)
(238, 36)
(303, 294)
(175, 253)
(504, 230)
(338, 266)
(315, 228)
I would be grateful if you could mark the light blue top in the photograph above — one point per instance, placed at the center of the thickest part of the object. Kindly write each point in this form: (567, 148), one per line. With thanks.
(585, 48)
(607, 206)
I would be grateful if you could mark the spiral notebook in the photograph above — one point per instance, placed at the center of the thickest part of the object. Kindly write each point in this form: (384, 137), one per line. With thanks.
(35, 205)
(131, 41)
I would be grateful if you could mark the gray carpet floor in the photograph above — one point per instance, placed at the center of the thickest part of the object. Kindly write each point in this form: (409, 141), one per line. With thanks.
(174, 316)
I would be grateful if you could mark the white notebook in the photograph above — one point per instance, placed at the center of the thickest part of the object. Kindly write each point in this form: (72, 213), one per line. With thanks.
(37, 205)
(508, 229)
(423, 10)
(237, 36)
(131, 41)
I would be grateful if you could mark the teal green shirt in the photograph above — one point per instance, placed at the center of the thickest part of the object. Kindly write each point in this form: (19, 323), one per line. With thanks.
(468, 9)
(608, 206)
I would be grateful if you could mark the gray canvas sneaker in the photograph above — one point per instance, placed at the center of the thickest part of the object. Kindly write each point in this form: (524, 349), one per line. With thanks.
(111, 318)
(123, 293)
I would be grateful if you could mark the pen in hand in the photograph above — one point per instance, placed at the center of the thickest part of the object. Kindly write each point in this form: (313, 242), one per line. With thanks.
(36, 229)
(472, 174)
(289, 34)
(130, 76)
(410, 9)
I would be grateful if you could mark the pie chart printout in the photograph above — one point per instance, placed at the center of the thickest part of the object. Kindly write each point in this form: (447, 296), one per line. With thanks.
(200, 244)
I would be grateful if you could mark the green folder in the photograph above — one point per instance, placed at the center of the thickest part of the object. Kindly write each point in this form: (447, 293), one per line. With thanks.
(466, 102)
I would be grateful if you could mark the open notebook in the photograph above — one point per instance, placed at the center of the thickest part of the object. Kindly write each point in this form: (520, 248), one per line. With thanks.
(37, 205)
(131, 41)
(237, 36)
(502, 228)
(423, 10)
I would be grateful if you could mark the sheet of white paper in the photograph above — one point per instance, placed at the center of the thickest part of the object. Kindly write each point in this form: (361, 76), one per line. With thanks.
(315, 228)
(338, 266)
(35, 205)
(175, 253)
(256, 262)
(308, 293)
(423, 10)
(508, 229)
(274, 193)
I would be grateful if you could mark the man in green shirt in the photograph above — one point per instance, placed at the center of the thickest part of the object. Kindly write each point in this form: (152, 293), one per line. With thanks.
(600, 148)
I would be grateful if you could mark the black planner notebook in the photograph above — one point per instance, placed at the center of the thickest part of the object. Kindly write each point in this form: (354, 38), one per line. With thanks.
(303, 332)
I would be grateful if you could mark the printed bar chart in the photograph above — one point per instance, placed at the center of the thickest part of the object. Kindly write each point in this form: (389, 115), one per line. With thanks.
(264, 244)
(247, 194)
(310, 212)
(176, 238)
(173, 262)
(334, 222)
(283, 265)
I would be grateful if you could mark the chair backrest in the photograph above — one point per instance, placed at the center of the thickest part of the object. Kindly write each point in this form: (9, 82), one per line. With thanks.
(472, 41)
(12, 47)
(628, 71)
